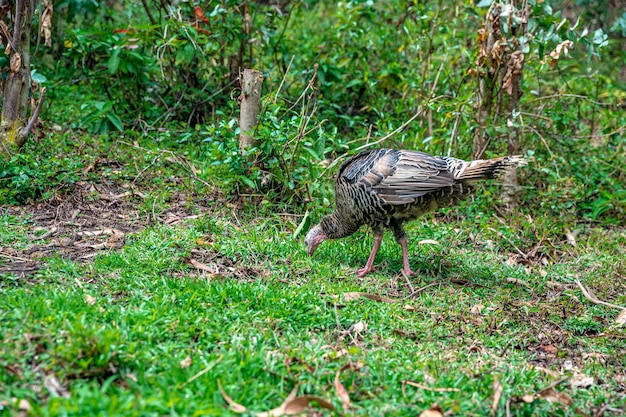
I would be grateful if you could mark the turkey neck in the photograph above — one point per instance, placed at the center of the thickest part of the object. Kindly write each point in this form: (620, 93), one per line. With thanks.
(335, 226)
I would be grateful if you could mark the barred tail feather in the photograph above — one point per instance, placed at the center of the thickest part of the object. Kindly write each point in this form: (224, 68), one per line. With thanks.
(483, 169)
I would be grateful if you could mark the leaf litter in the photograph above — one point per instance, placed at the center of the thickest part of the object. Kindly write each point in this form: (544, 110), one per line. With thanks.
(292, 404)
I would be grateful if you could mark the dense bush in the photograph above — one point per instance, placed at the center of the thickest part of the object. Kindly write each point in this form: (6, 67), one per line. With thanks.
(340, 75)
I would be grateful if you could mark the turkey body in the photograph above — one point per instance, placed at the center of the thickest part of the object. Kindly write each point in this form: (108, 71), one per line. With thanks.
(384, 188)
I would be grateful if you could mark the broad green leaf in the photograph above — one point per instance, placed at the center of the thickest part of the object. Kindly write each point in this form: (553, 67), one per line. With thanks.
(304, 225)
(116, 121)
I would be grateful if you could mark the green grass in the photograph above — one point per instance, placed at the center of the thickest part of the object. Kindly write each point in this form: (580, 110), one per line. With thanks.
(115, 329)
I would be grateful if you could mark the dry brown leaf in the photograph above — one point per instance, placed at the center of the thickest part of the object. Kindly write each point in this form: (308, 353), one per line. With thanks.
(186, 363)
(571, 238)
(620, 320)
(497, 393)
(46, 23)
(237, 408)
(24, 405)
(589, 295)
(434, 411)
(300, 404)
(581, 381)
(89, 299)
(341, 391)
(428, 242)
(547, 371)
(408, 307)
(199, 265)
(528, 398)
(549, 349)
(54, 386)
(280, 410)
(359, 327)
(354, 295)
(335, 354)
(554, 396)
(476, 309)
(519, 282)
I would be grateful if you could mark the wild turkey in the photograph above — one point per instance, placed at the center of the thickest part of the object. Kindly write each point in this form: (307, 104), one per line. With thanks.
(386, 187)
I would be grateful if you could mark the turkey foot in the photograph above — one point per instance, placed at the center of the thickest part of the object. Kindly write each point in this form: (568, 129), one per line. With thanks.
(364, 271)
(369, 266)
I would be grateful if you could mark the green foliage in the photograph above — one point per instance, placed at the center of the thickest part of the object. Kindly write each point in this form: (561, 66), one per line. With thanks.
(24, 178)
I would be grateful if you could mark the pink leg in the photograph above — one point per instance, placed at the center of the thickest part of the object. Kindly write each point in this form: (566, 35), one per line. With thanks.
(370, 261)
(405, 258)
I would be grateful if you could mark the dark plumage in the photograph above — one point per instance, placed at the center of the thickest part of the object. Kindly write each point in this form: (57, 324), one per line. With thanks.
(386, 187)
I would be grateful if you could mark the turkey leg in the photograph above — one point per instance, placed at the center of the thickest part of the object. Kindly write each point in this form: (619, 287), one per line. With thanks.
(370, 261)
(406, 270)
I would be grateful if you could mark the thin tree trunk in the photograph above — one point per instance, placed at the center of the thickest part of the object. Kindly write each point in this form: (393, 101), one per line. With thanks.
(512, 85)
(14, 129)
(250, 106)
(500, 66)
(488, 64)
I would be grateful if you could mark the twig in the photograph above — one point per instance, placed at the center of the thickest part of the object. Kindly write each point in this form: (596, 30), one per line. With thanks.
(553, 385)
(589, 295)
(417, 291)
(17, 258)
(422, 386)
(419, 112)
(284, 78)
(204, 371)
(567, 95)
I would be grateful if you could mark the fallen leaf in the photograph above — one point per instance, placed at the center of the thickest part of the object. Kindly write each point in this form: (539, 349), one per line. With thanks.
(400, 332)
(237, 408)
(335, 354)
(199, 265)
(89, 299)
(621, 318)
(554, 396)
(280, 410)
(549, 349)
(497, 393)
(300, 404)
(341, 391)
(434, 411)
(476, 309)
(519, 282)
(359, 327)
(186, 363)
(528, 398)
(24, 405)
(571, 238)
(408, 307)
(581, 381)
(351, 296)
(54, 386)
(547, 371)
(428, 242)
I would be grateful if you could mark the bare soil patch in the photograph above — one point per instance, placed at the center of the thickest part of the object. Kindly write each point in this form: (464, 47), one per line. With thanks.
(91, 218)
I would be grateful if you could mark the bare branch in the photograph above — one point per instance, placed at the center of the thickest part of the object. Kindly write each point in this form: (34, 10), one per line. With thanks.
(25, 131)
